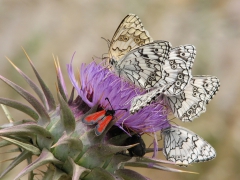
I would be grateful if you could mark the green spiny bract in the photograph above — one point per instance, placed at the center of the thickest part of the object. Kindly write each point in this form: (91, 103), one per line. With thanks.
(69, 148)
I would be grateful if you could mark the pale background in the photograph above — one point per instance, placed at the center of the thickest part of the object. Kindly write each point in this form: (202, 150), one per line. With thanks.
(62, 27)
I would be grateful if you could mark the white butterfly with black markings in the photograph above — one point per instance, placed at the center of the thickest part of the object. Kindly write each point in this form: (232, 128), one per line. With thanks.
(150, 63)
(184, 147)
(189, 104)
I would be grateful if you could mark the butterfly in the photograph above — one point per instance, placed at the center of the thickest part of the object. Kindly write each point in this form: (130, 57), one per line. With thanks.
(101, 118)
(187, 105)
(184, 147)
(150, 63)
(129, 35)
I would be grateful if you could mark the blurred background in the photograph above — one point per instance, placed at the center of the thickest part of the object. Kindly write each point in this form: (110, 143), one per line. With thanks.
(62, 27)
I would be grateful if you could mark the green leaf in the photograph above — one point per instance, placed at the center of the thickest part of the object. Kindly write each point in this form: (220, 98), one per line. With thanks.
(150, 160)
(155, 166)
(97, 155)
(46, 91)
(26, 130)
(4, 143)
(67, 116)
(19, 106)
(128, 174)
(99, 174)
(36, 89)
(72, 147)
(44, 158)
(78, 171)
(60, 80)
(54, 173)
(28, 147)
(116, 161)
(24, 155)
(44, 120)
(15, 123)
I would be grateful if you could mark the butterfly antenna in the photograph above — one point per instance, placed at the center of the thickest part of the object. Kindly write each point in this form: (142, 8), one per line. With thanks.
(109, 102)
(108, 42)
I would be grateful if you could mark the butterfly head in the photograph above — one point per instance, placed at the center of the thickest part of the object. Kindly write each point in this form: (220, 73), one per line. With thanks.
(112, 61)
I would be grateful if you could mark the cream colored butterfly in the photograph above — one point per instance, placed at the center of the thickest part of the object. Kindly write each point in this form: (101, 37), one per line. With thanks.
(129, 35)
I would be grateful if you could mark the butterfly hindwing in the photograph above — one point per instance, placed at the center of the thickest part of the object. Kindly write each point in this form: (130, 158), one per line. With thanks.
(192, 101)
(184, 147)
(177, 69)
(102, 124)
(129, 35)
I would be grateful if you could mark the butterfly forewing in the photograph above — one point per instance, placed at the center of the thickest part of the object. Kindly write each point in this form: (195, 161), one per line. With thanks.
(94, 117)
(185, 147)
(143, 66)
(129, 35)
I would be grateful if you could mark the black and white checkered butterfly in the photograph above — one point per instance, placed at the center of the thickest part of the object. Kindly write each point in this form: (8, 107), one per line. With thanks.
(192, 101)
(143, 65)
(184, 147)
(187, 105)
(157, 65)
(177, 69)
(150, 63)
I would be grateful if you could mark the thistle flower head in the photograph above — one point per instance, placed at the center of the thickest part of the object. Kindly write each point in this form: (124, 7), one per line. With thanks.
(98, 82)
(69, 148)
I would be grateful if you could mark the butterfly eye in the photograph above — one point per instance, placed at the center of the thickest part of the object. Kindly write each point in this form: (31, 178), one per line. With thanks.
(113, 62)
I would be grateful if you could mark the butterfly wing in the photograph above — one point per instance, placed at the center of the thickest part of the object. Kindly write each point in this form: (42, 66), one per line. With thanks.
(185, 147)
(192, 102)
(94, 117)
(129, 35)
(177, 69)
(141, 101)
(185, 52)
(211, 85)
(102, 124)
(142, 66)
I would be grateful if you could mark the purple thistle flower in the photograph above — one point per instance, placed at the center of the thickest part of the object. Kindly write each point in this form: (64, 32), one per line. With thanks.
(98, 82)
